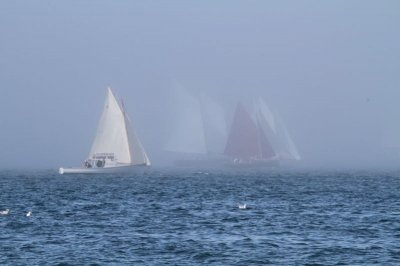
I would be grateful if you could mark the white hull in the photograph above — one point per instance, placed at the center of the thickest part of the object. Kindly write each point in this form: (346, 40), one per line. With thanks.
(131, 169)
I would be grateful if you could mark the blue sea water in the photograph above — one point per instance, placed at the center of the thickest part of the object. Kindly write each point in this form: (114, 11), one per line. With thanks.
(188, 218)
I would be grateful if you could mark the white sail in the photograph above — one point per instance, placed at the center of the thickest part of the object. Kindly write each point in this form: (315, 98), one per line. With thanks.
(263, 112)
(137, 152)
(115, 136)
(215, 128)
(265, 120)
(187, 134)
(287, 141)
(115, 148)
(275, 131)
(111, 136)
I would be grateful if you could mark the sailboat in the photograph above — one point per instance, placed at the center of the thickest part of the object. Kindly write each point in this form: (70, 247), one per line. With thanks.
(247, 144)
(260, 139)
(198, 130)
(116, 148)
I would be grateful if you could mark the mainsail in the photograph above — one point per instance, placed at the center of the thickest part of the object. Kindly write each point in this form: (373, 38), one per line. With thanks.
(246, 140)
(115, 137)
(214, 124)
(262, 136)
(198, 126)
(187, 134)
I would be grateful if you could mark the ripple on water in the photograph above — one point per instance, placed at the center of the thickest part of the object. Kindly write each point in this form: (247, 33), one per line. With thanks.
(304, 218)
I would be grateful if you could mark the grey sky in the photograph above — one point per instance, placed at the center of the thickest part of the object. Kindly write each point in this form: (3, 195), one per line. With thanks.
(331, 69)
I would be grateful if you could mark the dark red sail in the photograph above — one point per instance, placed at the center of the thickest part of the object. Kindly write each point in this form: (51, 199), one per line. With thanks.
(243, 140)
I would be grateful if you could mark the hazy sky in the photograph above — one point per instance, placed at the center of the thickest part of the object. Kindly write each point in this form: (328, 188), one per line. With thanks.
(331, 69)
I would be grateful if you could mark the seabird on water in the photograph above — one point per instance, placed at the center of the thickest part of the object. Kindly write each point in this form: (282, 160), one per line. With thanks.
(5, 212)
(243, 206)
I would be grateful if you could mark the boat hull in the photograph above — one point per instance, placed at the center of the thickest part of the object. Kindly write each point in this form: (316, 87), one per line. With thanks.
(200, 163)
(131, 169)
(254, 163)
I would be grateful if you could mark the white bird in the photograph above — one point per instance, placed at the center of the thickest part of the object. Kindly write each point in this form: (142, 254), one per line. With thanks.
(5, 212)
(243, 206)
(29, 213)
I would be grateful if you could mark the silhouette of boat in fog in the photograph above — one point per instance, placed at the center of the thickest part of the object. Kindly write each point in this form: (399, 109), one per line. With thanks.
(259, 140)
(198, 131)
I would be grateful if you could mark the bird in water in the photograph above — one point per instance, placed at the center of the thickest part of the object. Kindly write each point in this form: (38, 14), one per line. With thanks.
(243, 206)
(5, 212)
(29, 213)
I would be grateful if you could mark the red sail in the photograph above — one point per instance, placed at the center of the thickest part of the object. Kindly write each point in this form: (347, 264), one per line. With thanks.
(243, 140)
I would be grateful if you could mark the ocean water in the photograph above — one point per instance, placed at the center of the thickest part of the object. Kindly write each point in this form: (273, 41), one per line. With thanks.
(189, 217)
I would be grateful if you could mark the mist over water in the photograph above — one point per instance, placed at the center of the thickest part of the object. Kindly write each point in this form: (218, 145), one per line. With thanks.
(315, 80)
(328, 69)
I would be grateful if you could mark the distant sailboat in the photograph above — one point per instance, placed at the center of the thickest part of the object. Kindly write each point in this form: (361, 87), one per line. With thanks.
(247, 144)
(214, 124)
(116, 148)
(260, 139)
(198, 130)
(187, 128)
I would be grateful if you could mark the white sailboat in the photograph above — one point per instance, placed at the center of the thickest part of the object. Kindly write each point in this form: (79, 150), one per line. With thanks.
(198, 131)
(116, 148)
(187, 128)
(214, 123)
